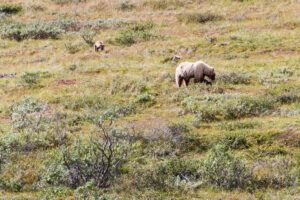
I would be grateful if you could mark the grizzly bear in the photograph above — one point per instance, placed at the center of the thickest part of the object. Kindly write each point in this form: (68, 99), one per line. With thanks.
(99, 45)
(198, 70)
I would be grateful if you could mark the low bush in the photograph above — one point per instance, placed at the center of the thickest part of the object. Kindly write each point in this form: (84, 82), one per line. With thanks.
(144, 98)
(18, 31)
(219, 107)
(36, 127)
(169, 174)
(278, 172)
(111, 113)
(26, 113)
(231, 126)
(86, 102)
(125, 5)
(98, 161)
(198, 17)
(235, 140)
(234, 78)
(73, 48)
(134, 33)
(33, 78)
(88, 37)
(285, 94)
(248, 106)
(60, 2)
(27, 141)
(223, 170)
(10, 8)
(163, 4)
(170, 171)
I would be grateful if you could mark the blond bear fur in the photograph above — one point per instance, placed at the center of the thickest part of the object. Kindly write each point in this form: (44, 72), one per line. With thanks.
(198, 70)
(99, 45)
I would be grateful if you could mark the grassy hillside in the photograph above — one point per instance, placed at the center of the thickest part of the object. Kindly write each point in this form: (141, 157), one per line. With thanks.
(79, 124)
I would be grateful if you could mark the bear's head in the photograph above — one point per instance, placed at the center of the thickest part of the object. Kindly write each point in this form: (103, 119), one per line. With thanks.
(211, 74)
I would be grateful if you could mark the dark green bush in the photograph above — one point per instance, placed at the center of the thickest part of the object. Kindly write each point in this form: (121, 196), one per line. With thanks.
(26, 113)
(28, 141)
(99, 108)
(248, 106)
(10, 8)
(279, 172)
(235, 140)
(33, 78)
(88, 37)
(144, 98)
(125, 5)
(219, 107)
(285, 94)
(125, 37)
(231, 126)
(234, 78)
(68, 1)
(198, 17)
(169, 174)
(134, 33)
(72, 48)
(223, 170)
(98, 161)
(163, 4)
(18, 31)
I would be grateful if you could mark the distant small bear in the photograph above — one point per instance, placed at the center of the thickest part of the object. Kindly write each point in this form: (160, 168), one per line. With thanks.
(198, 70)
(99, 45)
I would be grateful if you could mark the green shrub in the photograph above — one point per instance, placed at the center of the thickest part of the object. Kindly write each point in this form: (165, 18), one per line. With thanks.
(125, 5)
(163, 4)
(279, 172)
(169, 174)
(248, 106)
(169, 171)
(235, 140)
(234, 78)
(25, 113)
(88, 36)
(33, 78)
(18, 31)
(223, 170)
(28, 141)
(86, 102)
(68, 1)
(10, 8)
(144, 98)
(126, 37)
(219, 107)
(231, 126)
(98, 161)
(198, 17)
(72, 48)
(207, 114)
(42, 31)
(134, 33)
(285, 94)
(175, 129)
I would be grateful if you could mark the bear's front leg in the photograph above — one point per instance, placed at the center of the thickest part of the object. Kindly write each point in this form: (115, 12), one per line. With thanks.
(207, 82)
(187, 81)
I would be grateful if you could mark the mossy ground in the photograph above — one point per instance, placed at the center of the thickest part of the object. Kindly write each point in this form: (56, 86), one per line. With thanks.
(258, 39)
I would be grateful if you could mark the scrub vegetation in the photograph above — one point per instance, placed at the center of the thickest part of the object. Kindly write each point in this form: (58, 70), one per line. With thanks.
(80, 124)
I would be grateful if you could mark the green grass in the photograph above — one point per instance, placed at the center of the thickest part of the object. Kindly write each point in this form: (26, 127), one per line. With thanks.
(236, 139)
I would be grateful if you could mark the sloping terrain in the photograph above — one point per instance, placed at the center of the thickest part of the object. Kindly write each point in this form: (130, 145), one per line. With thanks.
(79, 124)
